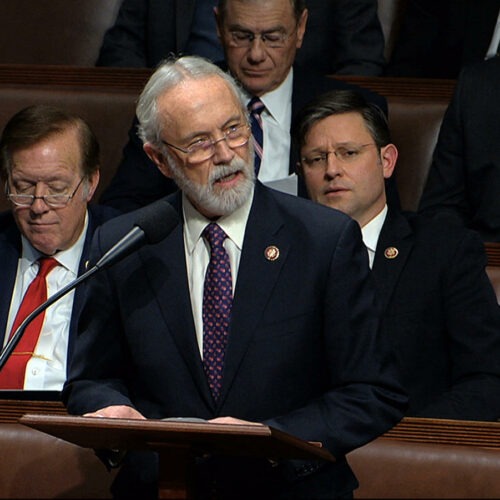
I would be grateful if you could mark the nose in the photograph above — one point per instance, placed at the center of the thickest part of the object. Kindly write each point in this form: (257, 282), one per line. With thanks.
(257, 50)
(223, 153)
(333, 166)
(39, 206)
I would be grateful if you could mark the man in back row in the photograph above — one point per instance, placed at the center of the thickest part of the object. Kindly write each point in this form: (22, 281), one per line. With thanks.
(439, 309)
(256, 309)
(260, 39)
(50, 166)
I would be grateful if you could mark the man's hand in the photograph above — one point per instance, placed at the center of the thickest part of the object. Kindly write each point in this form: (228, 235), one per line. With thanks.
(117, 411)
(232, 420)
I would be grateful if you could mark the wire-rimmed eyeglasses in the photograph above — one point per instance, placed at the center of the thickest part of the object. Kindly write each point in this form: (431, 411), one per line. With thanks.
(204, 147)
(345, 154)
(52, 200)
(271, 39)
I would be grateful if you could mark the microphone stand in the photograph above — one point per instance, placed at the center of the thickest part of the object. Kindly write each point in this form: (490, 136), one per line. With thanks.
(158, 212)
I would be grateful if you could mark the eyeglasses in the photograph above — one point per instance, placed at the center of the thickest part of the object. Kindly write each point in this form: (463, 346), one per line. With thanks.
(52, 200)
(345, 154)
(271, 39)
(204, 148)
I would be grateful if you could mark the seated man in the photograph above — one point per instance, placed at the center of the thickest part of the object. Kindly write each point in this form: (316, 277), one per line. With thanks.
(464, 178)
(260, 41)
(439, 309)
(50, 166)
(345, 37)
(248, 312)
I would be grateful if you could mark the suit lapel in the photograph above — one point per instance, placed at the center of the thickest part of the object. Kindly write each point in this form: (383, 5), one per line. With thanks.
(263, 232)
(171, 291)
(396, 237)
(10, 244)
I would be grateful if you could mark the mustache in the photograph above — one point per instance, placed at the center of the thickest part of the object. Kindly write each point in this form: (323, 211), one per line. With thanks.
(236, 165)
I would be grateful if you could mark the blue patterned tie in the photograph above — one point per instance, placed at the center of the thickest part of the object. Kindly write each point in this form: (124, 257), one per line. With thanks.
(255, 107)
(217, 303)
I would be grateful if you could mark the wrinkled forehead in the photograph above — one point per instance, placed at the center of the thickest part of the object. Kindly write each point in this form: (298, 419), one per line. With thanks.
(199, 104)
(258, 15)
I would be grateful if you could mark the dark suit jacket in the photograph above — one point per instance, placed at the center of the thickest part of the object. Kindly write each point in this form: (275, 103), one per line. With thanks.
(442, 317)
(138, 181)
(304, 352)
(10, 251)
(464, 178)
(438, 38)
(348, 32)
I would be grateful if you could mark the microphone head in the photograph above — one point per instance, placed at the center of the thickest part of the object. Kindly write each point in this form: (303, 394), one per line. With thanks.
(157, 220)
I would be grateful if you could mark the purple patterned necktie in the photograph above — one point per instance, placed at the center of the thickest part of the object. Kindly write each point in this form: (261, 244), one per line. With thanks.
(217, 303)
(255, 107)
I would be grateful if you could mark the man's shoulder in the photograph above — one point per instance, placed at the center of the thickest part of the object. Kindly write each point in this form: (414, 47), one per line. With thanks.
(308, 84)
(314, 215)
(441, 231)
(102, 213)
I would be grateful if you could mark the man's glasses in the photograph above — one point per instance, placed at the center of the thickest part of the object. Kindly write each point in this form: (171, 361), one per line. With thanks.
(345, 154)
(271, 39)
(52, 200)
(204, 147)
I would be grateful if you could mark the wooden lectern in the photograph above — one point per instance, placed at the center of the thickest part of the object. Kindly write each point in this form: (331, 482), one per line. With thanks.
(178, 443)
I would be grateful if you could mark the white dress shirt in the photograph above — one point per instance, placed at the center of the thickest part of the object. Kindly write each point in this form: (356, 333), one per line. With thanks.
(276, 122)
(197, 252)
(494, 47)
(46, 370)
(371, 233)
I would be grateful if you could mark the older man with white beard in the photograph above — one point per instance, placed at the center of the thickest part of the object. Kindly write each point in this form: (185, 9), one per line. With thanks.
(257, 309)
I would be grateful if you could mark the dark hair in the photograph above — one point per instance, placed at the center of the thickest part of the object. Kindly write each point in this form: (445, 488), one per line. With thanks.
(35, 123)
(298, 7)
(337, 102)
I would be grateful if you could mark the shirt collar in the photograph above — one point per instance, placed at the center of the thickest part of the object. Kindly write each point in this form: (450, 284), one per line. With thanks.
(371, 231)
(70, 258)
(233, 224)
(278, 101)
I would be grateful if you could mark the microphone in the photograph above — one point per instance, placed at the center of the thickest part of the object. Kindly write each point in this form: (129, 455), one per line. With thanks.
(154, 223)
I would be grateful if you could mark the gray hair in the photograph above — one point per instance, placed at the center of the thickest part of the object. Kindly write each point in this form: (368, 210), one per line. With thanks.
(167, 76)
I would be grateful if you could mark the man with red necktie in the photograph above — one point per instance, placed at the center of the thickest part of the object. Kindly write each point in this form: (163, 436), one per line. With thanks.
(50, 166)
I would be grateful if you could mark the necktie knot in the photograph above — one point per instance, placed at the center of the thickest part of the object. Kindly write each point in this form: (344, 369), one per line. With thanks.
(256, 106)
(46, 265)
(215, 235)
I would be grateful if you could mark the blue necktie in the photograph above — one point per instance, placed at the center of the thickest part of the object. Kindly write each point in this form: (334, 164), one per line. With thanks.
(255, 107)
(217, 303)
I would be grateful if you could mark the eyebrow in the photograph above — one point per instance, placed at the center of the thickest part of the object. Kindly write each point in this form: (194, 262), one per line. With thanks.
(193, 135)
(238, 27)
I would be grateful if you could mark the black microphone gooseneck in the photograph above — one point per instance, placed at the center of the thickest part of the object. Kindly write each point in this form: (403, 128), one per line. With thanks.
(154, 223)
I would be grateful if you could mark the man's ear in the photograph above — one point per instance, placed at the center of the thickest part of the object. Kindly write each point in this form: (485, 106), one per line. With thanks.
(389, 156)
(158, 159)
(301, 28)
(92, 184)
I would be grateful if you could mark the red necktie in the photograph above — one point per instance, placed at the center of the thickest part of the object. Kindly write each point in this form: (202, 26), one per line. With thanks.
(217, 304)
(12, 374)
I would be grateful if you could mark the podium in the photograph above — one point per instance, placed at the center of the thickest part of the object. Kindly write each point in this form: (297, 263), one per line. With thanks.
(178, 443)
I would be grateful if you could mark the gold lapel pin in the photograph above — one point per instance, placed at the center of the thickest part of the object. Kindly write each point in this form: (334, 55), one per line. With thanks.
(87, 264)
(391, 252)
(272, 253)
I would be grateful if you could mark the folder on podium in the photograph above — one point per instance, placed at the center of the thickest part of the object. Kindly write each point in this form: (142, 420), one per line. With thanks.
(178, 443)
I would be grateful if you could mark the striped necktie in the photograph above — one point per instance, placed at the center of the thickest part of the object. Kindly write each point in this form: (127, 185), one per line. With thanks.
(255, 107)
